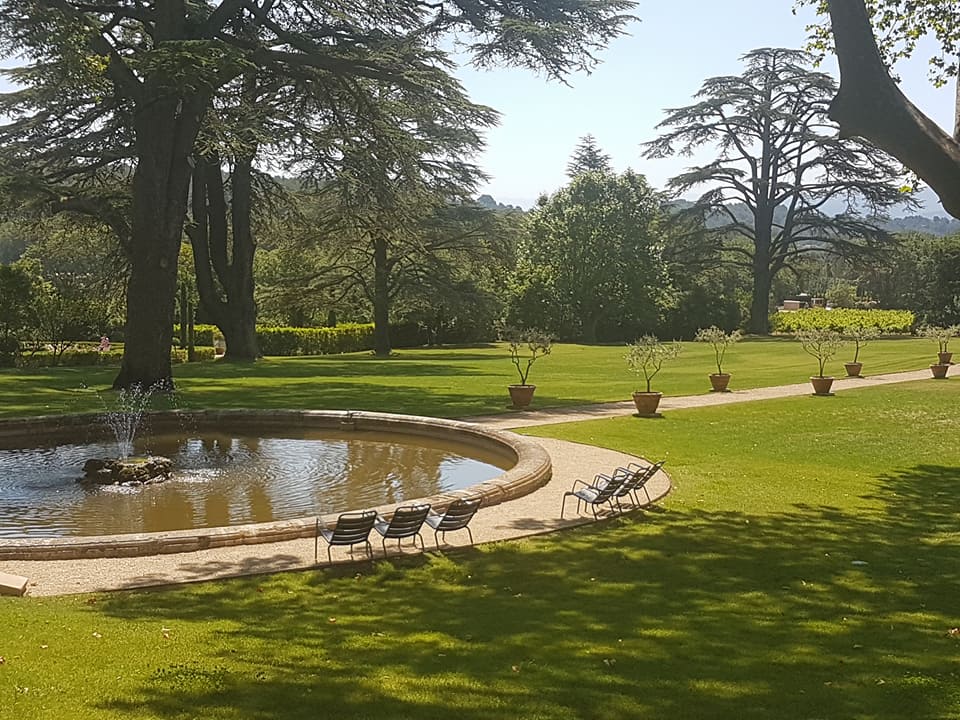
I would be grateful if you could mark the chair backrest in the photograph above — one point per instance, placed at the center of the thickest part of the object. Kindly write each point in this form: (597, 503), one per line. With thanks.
(459, 513)
(406, 521)
(354, 527)
(638, 478)
(611, 489)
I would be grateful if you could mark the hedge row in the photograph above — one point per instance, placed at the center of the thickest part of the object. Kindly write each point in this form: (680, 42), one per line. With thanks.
(89, 357)
(888, 321)
(349, 337)
(202, 334)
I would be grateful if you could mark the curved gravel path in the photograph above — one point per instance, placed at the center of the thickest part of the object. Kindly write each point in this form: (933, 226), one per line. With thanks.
(533, 514)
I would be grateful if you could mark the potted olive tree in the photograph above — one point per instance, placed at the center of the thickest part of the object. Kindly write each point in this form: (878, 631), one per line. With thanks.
(822, 344)
(645, 356)
(720, 341)
(942, 336)
(526, 347)
(860, 335)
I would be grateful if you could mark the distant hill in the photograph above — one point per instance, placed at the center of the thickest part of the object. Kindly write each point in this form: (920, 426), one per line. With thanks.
(488, 202)
(936, 225)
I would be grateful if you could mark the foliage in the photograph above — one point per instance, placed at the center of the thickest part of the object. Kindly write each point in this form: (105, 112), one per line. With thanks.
(899, 27)
(526, 346)
(939, 334)
(821, 344)
(349, 337)
(719, 340)
(646, 355)
(87, 356)
(780, 161)
(842, 295)
(861, 335)
(589, 266)
(887, 321)
(19, 285)
(588, 157)
(206, 335)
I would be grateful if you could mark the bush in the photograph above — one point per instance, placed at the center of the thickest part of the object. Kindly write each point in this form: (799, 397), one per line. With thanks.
(202, 334)
(350, 337)
(89, 356)
(839, 319)
(9, 352)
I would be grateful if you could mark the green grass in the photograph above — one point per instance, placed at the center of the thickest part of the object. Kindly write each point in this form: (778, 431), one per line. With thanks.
(449, 382)
(745, 597)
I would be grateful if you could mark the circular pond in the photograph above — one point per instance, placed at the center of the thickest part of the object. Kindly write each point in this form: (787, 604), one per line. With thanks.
(240, 476)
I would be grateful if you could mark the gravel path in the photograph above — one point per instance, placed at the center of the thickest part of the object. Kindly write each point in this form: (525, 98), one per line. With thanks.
(533, 514)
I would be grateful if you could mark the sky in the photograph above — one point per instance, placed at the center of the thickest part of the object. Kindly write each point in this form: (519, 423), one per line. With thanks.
(661, 64)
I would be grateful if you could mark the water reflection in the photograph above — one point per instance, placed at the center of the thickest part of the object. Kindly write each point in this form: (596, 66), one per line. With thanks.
(228, 479)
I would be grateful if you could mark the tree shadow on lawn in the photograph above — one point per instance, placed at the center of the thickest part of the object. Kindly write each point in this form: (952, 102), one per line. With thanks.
(811, 612)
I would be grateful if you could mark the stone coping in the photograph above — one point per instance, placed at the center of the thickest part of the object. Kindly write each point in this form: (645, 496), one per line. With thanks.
(530, 469)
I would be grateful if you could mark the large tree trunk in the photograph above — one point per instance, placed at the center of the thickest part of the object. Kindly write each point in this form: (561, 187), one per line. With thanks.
(165, 133)
(225, 279)
(869, 104)
(381, 297)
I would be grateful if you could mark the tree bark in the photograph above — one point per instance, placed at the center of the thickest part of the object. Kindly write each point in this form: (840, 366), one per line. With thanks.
(760, 302)
(381, 298)
(225, 279)
(870, 105)
(165, 132)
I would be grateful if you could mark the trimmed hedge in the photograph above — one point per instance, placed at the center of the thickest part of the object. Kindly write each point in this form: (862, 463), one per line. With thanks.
(349, 337)
(202, 334)
(86, 357)
(888, 321)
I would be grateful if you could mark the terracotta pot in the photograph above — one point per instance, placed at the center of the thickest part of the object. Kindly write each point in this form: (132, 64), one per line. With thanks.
(945, 358)
(719, 381)
(821, 385)
(521, 395)
(853, 368)
(939, 371)
(647, 403)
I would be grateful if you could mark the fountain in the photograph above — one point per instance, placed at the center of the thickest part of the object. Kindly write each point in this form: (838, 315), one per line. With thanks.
(240, 476)
(125, 469)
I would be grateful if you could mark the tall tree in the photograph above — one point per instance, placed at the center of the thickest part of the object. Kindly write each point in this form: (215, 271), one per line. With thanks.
(590, 260)
(588, 157)
(120, 83)
(870, 104)
(781, 158)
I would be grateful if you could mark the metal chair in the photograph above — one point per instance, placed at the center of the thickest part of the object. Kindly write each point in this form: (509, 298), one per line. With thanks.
(637, 477)
(406, 522)
(458, 515)
(352, 529)
(603, 490)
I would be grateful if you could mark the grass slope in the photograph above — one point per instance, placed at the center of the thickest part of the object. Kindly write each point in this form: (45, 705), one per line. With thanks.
(804, 567)
(444, 382)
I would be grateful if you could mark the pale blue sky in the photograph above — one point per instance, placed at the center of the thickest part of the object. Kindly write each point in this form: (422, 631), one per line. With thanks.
(661, 64)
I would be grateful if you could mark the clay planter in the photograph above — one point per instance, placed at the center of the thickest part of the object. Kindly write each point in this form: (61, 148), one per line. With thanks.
(647, 403)
(939, 371)
(945, 358)
(719, 381)
(853, 368)
(521, 395)
(821, 385)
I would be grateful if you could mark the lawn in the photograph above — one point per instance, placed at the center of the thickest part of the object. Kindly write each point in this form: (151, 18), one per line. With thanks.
(805, 567)
(448, 382)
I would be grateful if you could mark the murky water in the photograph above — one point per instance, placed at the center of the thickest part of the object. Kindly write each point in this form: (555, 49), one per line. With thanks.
(228, 479)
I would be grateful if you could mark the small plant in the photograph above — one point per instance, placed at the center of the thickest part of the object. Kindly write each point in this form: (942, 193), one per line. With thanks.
(720, 341)
(646, 355)
(526, 346)
(821, 344)
(940, 334)
(861, 335)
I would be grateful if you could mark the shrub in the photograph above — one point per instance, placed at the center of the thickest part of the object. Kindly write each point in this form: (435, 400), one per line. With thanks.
(839, 319)
(646, 355)
(202, 334)
(9, 351)
(350, 337)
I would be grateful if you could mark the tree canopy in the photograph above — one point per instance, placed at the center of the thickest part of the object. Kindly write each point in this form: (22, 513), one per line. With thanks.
(780, 157)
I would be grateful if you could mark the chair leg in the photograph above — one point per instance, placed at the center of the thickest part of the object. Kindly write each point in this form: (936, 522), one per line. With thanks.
(563, 503)
(471, 535)
(436, 538)
(369, 549)
(329, 557)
